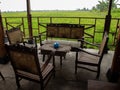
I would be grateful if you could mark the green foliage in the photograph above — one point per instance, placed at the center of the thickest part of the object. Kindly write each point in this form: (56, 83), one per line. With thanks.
(116, 10)
(104, 4)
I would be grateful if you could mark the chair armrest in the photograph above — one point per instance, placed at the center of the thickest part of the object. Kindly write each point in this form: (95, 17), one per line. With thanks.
(32, 40)
(83, 41)
(82, 50)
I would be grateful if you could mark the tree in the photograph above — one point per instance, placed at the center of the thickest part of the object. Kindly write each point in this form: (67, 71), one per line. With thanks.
(114, 3)
(93, 8)
(103, 5)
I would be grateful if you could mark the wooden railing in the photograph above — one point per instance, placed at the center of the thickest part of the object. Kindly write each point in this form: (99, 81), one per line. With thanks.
(93, 26)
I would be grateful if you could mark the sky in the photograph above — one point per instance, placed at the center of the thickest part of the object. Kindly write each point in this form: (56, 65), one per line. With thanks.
(20, 5)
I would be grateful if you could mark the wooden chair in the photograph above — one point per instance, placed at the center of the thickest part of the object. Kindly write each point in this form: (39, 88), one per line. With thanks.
(26, 65)
(16, 36)
(84, 59)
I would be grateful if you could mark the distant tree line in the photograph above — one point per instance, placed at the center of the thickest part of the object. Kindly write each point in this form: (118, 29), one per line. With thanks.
(102, 6)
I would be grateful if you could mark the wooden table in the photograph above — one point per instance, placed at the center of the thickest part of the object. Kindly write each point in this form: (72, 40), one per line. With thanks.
(61, 51)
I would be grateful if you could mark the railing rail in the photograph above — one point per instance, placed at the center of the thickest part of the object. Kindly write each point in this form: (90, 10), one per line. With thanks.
(94, 26)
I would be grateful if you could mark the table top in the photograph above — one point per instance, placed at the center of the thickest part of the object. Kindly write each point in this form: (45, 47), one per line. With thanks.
(50, 47)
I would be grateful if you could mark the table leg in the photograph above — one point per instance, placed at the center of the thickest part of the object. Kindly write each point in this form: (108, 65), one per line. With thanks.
(54, 61)
(64, 56)
(60, 60)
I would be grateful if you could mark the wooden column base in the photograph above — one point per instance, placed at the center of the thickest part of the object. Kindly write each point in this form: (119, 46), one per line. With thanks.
(112, 76)
(4, 60)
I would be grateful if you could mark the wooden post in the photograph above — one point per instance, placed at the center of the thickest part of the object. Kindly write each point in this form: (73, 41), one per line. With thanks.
(29, 19)
(116, 60)
(2, 45)
(108, 19)
(107, 23)
(114, 72)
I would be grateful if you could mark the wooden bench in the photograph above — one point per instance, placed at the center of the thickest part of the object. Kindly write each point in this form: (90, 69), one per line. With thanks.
(68, 34)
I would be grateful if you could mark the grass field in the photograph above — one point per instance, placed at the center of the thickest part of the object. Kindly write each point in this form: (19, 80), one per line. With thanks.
(59, 13)
(97, 14)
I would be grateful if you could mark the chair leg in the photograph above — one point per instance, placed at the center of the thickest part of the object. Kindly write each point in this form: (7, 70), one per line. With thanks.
(98, 73)
(75, 68)
(43, 57)
(54, 73)
(42, 87)
(64, 56)
(17, 81)
(61, 61)
(2, 76)
(54, 61)
(76, 62)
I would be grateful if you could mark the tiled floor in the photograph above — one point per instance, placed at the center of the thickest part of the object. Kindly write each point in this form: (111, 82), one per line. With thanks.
(65, 78)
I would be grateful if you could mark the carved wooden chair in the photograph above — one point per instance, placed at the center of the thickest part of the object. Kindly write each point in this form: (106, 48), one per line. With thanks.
(84, 59)
(26, 65)
(16, 36)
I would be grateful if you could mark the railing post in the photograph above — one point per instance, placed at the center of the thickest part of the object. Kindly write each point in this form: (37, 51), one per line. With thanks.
(79, 20)
(50, 19)
(23, 26)
(29, 19)
(107, 23)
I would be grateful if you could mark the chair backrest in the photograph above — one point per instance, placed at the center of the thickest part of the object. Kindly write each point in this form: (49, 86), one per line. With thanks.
(24, 59)
(71, 31)
(14, 35)
(103, 45)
